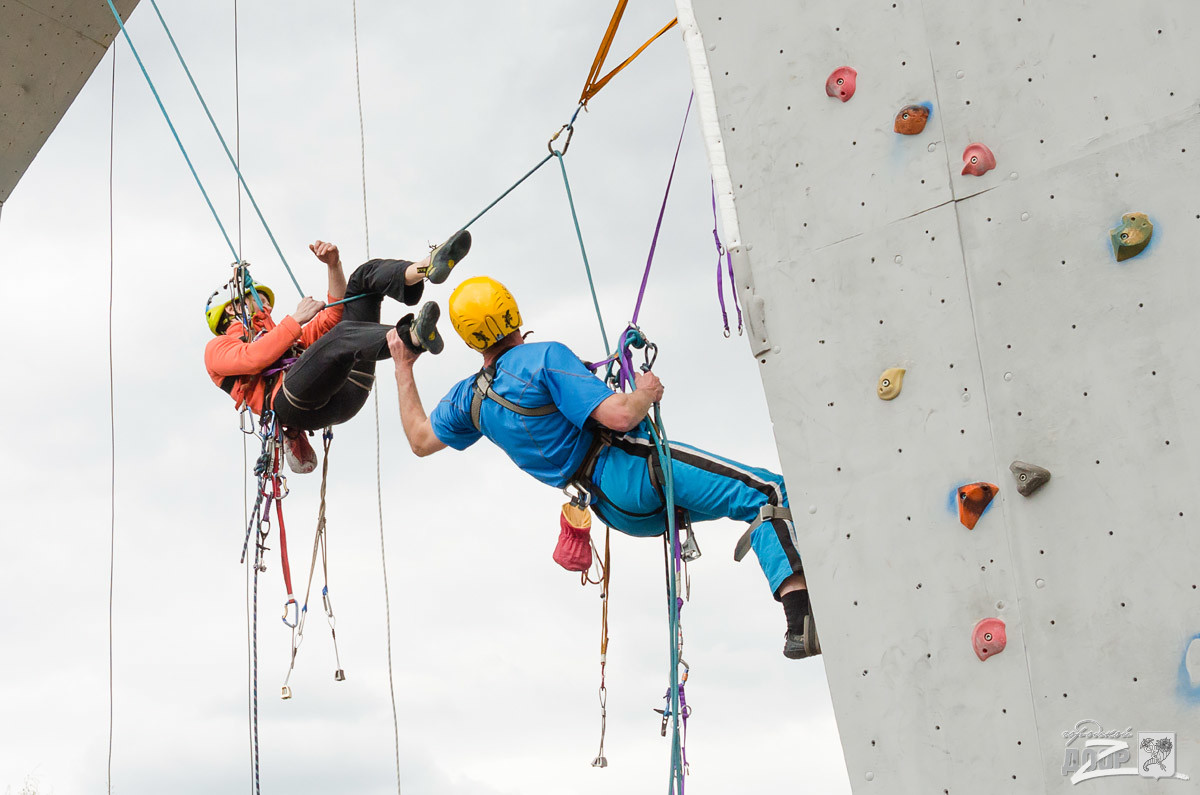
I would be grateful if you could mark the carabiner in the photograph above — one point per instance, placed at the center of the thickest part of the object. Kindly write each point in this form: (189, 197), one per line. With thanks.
(651, 353)
(580, 498)
(328, 604)
(295, 622)
(570, 128)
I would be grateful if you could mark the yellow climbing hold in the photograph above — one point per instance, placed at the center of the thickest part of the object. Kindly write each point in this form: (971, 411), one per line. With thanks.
(890, 383)
(1132, 236)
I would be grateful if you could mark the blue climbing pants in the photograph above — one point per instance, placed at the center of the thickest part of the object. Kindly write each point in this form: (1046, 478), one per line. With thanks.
(706, 485)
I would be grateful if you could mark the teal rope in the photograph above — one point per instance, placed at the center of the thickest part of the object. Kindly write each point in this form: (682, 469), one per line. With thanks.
(498, 199)
(663, 450)
(224, 146)
(178, 142)
(583, 251)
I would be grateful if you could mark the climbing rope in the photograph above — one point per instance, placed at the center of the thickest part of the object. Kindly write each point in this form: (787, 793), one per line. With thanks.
(632, 337)
(256, 525)
(183, 150)
(387, 601)
(233, 162)
(247, 429)
(112, 414)
(675, 707)
(171, 124)
(582, 250)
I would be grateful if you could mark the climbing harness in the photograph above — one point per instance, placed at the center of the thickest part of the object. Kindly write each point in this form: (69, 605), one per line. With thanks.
(318, 549)
(723, 253)
(481, 389)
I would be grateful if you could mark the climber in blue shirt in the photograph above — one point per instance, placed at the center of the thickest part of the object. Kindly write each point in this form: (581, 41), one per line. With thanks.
(557, 421)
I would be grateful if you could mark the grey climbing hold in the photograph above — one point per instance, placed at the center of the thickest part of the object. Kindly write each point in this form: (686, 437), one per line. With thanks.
(1029, 477)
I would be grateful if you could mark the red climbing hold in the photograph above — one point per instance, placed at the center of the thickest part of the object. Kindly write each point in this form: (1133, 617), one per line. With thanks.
(973, 500)
(841, 83)
(989, 638)
(978, 160)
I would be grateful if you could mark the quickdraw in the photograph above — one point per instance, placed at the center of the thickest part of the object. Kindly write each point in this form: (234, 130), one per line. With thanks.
(318, 548)
(272, 488)
(603, 581)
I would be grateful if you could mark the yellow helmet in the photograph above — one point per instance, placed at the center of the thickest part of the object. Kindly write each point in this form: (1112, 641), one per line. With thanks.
(483, 312)
(215, 312)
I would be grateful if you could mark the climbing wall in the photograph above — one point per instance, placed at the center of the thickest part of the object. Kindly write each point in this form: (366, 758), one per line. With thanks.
(1032, 323)
(49, 48)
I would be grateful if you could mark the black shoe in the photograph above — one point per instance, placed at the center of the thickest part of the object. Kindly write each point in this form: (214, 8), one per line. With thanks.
(443, 258)
(797, 646)
(424, 328)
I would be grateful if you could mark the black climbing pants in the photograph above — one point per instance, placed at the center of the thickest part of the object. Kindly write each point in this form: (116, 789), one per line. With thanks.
(331, 380)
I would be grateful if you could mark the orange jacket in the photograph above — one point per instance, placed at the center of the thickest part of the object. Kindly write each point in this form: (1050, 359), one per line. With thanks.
(227, 356)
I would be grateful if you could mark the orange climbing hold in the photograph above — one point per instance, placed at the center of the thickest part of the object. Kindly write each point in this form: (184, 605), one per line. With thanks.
(973, 500)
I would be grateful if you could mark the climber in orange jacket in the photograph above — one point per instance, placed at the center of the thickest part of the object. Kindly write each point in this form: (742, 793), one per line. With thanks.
(316, 366)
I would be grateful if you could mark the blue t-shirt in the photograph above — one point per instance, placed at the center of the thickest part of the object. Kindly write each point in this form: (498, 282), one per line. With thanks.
(534, 374)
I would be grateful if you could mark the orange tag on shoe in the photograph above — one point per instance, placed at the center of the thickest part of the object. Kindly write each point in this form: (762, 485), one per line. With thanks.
(574, 549)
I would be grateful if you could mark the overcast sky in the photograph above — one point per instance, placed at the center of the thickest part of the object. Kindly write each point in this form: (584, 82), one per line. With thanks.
(495, 648)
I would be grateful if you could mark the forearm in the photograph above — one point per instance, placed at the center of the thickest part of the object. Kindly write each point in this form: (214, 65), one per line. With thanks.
(624, 410)
(337, 282)
(639, 403)
(415, 422)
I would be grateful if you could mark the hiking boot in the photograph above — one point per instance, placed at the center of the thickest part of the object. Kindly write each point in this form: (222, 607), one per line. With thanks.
(424, 328)
(797, 646)
(443, 258)
(300, 456)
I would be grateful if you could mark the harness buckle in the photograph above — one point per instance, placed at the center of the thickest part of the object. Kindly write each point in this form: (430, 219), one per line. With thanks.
(765, 514)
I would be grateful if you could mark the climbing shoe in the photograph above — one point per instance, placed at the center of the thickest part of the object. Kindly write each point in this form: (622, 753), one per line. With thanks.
(798, 645)
(424, 328)
(443, 258)
(299, 454)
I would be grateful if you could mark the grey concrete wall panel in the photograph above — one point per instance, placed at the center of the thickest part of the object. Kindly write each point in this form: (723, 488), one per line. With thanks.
(49, 51)
(1023, 339)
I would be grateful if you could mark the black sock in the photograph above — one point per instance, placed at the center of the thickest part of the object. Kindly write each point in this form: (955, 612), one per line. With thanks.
(795, 607)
